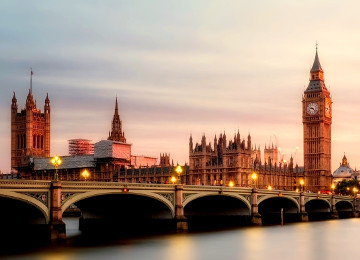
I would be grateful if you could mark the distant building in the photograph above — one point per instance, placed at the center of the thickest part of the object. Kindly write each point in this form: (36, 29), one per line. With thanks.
(80, 147)
(271, 154)
(345, 172)
(165, 160)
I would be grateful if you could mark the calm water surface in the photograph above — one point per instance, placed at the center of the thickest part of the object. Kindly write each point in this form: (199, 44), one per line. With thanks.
(335, 239)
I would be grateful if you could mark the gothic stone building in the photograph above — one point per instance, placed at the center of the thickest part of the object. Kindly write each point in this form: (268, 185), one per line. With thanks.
(30, 132)
(236, 161)
(317, 115)
(110, 160)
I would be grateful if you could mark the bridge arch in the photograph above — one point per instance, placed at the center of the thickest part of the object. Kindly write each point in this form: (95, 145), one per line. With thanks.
(266, 197)
(211, 204)
(202, 195)
(85, 195)
(38, 205)
(344, 208)
(315, 200)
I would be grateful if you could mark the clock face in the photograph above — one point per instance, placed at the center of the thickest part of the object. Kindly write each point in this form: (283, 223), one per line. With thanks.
(328, 108)
(312, 108)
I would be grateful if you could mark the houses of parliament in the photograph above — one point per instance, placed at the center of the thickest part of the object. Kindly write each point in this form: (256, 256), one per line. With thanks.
(234, 159)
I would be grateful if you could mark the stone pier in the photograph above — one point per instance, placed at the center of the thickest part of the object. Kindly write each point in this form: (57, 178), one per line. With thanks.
(57, 226)
(255, 216)
(303, 214)
(181, 221)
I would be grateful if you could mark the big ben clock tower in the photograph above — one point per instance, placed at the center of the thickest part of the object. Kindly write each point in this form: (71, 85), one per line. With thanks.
(316, 116)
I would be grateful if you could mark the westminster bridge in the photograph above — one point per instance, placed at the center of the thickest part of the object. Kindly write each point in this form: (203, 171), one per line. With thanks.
(44, 202)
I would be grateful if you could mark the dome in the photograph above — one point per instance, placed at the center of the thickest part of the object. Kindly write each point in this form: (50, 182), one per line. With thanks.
(344, 171)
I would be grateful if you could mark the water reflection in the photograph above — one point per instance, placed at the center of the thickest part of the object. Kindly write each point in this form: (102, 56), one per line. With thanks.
(336, 239)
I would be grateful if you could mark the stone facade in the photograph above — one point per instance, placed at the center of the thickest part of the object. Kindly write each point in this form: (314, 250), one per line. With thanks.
(234, 161)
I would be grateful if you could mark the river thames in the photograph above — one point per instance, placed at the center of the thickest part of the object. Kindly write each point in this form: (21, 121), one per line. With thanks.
(333, 239)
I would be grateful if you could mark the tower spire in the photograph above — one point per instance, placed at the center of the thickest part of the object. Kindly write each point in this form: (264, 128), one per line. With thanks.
(116, 133)
(316, 65)
(116, 107)
(316, 83)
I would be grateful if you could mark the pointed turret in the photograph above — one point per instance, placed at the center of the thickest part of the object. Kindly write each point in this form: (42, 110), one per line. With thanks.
(344, 160)
(203, 143)
(47, 100)
(215, 144)
(30, 103)
(190, 144)
(238, 137)
(14, 104)
(47, 103)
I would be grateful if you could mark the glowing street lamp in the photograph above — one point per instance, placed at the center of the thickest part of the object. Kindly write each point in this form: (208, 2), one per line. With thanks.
(355, 190)
(333, 188)
(254, 177)
(269, 187)
(56, 161)
(173, 179)
(231, 184)
(302, 182)
(179, 170)
(85, 174)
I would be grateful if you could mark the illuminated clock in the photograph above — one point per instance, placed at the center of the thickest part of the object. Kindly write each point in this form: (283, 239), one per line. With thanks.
(312, 108)
(328, 107)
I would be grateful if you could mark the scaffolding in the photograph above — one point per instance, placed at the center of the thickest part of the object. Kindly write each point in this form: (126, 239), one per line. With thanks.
(80, 147)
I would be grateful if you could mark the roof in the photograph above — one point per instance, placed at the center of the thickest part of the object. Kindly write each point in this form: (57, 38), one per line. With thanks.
(344, 171)
(315, 86)
(68, 162)
(316, 66)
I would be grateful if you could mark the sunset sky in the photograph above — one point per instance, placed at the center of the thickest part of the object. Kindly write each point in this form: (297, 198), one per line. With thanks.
(181, 68)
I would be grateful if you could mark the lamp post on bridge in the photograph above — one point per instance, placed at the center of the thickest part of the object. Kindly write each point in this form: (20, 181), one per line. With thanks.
(355, 190)
(85, 174)
(302, 182)
(56, 161)
(178, 170)
(334, 213)
(254, 177)
(303, 214)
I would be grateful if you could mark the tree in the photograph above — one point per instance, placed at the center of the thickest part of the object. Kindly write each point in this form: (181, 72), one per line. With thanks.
(346, 187)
